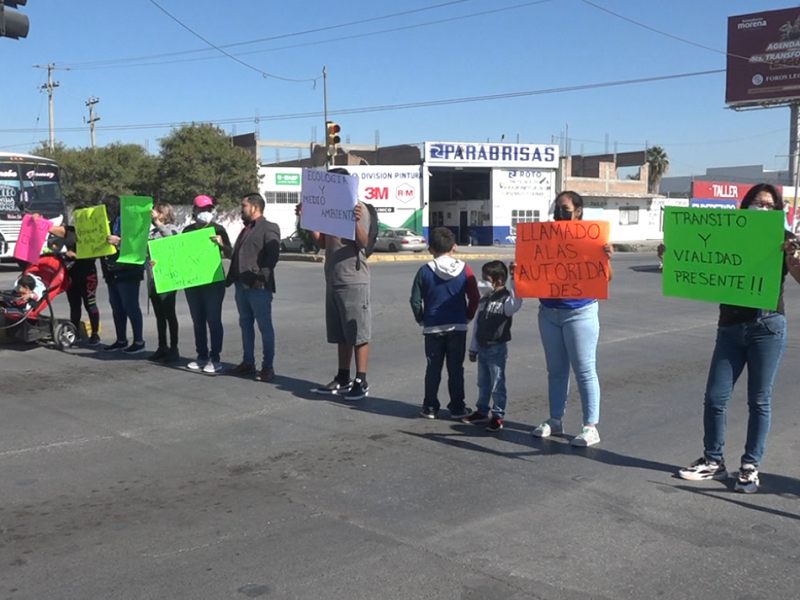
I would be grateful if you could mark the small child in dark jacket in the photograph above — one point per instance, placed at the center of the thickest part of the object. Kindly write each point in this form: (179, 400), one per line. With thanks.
(444, 299)
(489, 346)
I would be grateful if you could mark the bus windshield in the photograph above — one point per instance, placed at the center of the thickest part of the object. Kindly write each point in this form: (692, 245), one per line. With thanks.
(30, 186)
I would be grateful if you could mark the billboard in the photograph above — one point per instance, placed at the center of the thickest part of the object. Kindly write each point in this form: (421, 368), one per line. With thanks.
(763, 57)
(712, 194)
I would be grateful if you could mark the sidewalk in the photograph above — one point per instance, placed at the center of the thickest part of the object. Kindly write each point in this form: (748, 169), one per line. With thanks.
(471, 252)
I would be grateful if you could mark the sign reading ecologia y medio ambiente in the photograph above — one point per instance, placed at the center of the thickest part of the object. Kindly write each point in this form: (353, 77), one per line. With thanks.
(530, 156)
(329, 201)
(726, 256)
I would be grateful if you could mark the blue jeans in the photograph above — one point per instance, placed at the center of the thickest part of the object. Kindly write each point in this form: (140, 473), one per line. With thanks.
(570, 337)
(441, 348)
(123, 295)
(205, 306)
(759, 344)
(492, 379)
(255, 305)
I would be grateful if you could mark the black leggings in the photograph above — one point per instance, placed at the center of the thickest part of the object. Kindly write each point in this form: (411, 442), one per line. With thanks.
(82, 293)
(164, 308)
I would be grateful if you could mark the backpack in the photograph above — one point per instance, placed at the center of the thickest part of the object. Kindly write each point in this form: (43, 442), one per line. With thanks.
(374, 225)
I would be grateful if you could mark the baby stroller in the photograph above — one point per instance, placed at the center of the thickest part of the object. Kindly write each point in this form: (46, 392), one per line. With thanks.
(37, 322)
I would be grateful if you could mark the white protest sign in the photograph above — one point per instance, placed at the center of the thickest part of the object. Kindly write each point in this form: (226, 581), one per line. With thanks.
(329, 200)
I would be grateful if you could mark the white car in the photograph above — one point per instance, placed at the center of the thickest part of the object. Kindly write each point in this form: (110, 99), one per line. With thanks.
(395, 240)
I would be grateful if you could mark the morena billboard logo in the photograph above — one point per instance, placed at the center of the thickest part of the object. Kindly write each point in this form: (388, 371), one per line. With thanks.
(752, 23)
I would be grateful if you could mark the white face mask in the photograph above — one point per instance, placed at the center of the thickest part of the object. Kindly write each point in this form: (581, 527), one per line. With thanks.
(754, 207)
(484, 287)
(204, 217)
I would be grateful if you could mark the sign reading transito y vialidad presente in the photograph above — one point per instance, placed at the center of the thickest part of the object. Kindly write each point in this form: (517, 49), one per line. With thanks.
(92, 231)
(135, 223)
(329, 201)
(726, 256)
(562, 259)
(185, 260)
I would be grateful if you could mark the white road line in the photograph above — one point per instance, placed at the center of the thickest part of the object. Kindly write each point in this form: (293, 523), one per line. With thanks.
(55, 445)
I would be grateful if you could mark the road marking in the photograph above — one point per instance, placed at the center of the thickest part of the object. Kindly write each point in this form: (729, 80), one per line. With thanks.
(55, 445)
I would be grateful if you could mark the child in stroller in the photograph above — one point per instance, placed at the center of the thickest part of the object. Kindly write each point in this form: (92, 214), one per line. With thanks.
(22, 310)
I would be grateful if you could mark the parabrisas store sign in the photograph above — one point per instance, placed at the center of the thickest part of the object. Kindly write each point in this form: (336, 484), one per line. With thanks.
(532, 156)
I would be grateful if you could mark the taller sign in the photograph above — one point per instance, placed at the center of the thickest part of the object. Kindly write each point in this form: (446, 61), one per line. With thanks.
(523, 156)
(763, 58)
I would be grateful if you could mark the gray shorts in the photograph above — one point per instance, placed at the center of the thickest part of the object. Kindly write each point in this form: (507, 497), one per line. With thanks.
(348, 317)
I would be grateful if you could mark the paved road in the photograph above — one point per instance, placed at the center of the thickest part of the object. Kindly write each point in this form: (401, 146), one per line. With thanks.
(126, 480)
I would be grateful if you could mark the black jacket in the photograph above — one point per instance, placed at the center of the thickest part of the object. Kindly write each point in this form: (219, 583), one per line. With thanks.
(255, 254)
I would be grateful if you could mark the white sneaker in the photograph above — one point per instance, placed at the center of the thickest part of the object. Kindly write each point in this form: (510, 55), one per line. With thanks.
(587, 437)
(195, 366)
(212, 368)
(747, 481)
(548, 428)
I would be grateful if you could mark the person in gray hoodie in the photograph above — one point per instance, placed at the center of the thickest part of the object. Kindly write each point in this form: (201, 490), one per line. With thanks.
(163, 217)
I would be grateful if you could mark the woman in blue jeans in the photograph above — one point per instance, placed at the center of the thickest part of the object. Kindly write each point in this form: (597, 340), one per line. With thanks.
(745, 337)
(570, 331)
(205, 301)
(123, 282)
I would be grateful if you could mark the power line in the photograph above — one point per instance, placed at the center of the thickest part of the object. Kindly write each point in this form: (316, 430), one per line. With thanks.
(264, 74)
(275, 37)
(329, 40)
(404, 106)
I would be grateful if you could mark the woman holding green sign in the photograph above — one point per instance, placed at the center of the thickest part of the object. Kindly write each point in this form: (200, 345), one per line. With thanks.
(745, 337)
(163, 218)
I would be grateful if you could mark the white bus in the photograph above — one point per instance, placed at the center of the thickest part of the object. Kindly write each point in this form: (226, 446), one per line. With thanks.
(28, 184)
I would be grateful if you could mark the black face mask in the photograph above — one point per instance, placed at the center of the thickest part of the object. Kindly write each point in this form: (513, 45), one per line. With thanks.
(562, 213)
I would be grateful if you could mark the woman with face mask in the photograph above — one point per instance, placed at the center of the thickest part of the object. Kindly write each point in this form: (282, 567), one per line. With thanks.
(205, 301)
(570, 331)
(745, 337)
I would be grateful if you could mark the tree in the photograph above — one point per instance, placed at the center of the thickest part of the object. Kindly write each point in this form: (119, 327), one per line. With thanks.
(658, 164)
(123, 169)
(200, 159)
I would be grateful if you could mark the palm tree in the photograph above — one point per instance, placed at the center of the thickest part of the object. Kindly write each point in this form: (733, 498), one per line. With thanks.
(658, 163)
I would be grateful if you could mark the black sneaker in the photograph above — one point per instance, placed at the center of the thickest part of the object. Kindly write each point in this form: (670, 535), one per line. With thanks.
(172, 356)
(134, 348)
(334, 387)
(702, 469)
(460, 414)
(94, 340)
(747, 481)
(427, 412)
(358, 390)
(116, 346)
(158, 355)
(496, 424)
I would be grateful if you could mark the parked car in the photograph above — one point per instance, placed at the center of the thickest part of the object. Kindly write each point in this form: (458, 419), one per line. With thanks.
(293, 243)
(395, 240)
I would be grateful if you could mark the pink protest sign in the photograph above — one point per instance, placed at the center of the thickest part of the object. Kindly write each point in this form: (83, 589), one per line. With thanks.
(32, 236)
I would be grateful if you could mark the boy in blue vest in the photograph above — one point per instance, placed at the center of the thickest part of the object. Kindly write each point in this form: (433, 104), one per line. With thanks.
(489, 347)
(444, 299)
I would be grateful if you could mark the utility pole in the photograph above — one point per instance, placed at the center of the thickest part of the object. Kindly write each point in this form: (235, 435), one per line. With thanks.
(92, 119)
(50, 86)
(325, 108)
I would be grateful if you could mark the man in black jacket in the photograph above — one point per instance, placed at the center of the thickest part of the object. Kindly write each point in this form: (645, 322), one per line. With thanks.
(252, 273)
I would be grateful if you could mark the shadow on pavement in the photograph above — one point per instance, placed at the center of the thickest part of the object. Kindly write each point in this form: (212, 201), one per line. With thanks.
(731, 497)
(646, 269)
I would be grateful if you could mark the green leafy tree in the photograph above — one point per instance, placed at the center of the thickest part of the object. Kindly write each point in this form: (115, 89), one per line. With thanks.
(200, 159)
(124, 169)
(658, 165)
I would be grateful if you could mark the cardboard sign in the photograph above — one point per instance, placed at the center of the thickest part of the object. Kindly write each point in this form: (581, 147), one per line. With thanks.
(185, 260)
(329, 201)
(134, 228)
(92, 231)
(32, 236)
(726, 256)
(562, 259)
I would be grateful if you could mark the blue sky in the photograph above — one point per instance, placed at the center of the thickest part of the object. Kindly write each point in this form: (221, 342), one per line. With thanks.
(529, 47)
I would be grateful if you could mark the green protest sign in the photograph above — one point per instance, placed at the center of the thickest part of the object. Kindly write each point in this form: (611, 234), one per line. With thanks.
(185, 260)
(134, 228)
(726, 256)
(92, 231)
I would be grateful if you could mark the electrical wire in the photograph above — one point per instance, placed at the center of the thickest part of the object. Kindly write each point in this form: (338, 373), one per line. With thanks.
(91, 66)
(276, 37)
(404, 106)
(264, 74)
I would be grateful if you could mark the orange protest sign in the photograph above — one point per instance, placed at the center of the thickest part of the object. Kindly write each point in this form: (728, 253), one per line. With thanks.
(562, 259)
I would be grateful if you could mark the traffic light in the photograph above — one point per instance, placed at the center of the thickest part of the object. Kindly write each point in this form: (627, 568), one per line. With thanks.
(13, 24)
(331, 137)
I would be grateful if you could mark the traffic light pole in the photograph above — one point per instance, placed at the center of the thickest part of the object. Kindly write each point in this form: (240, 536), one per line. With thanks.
(325, 100)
